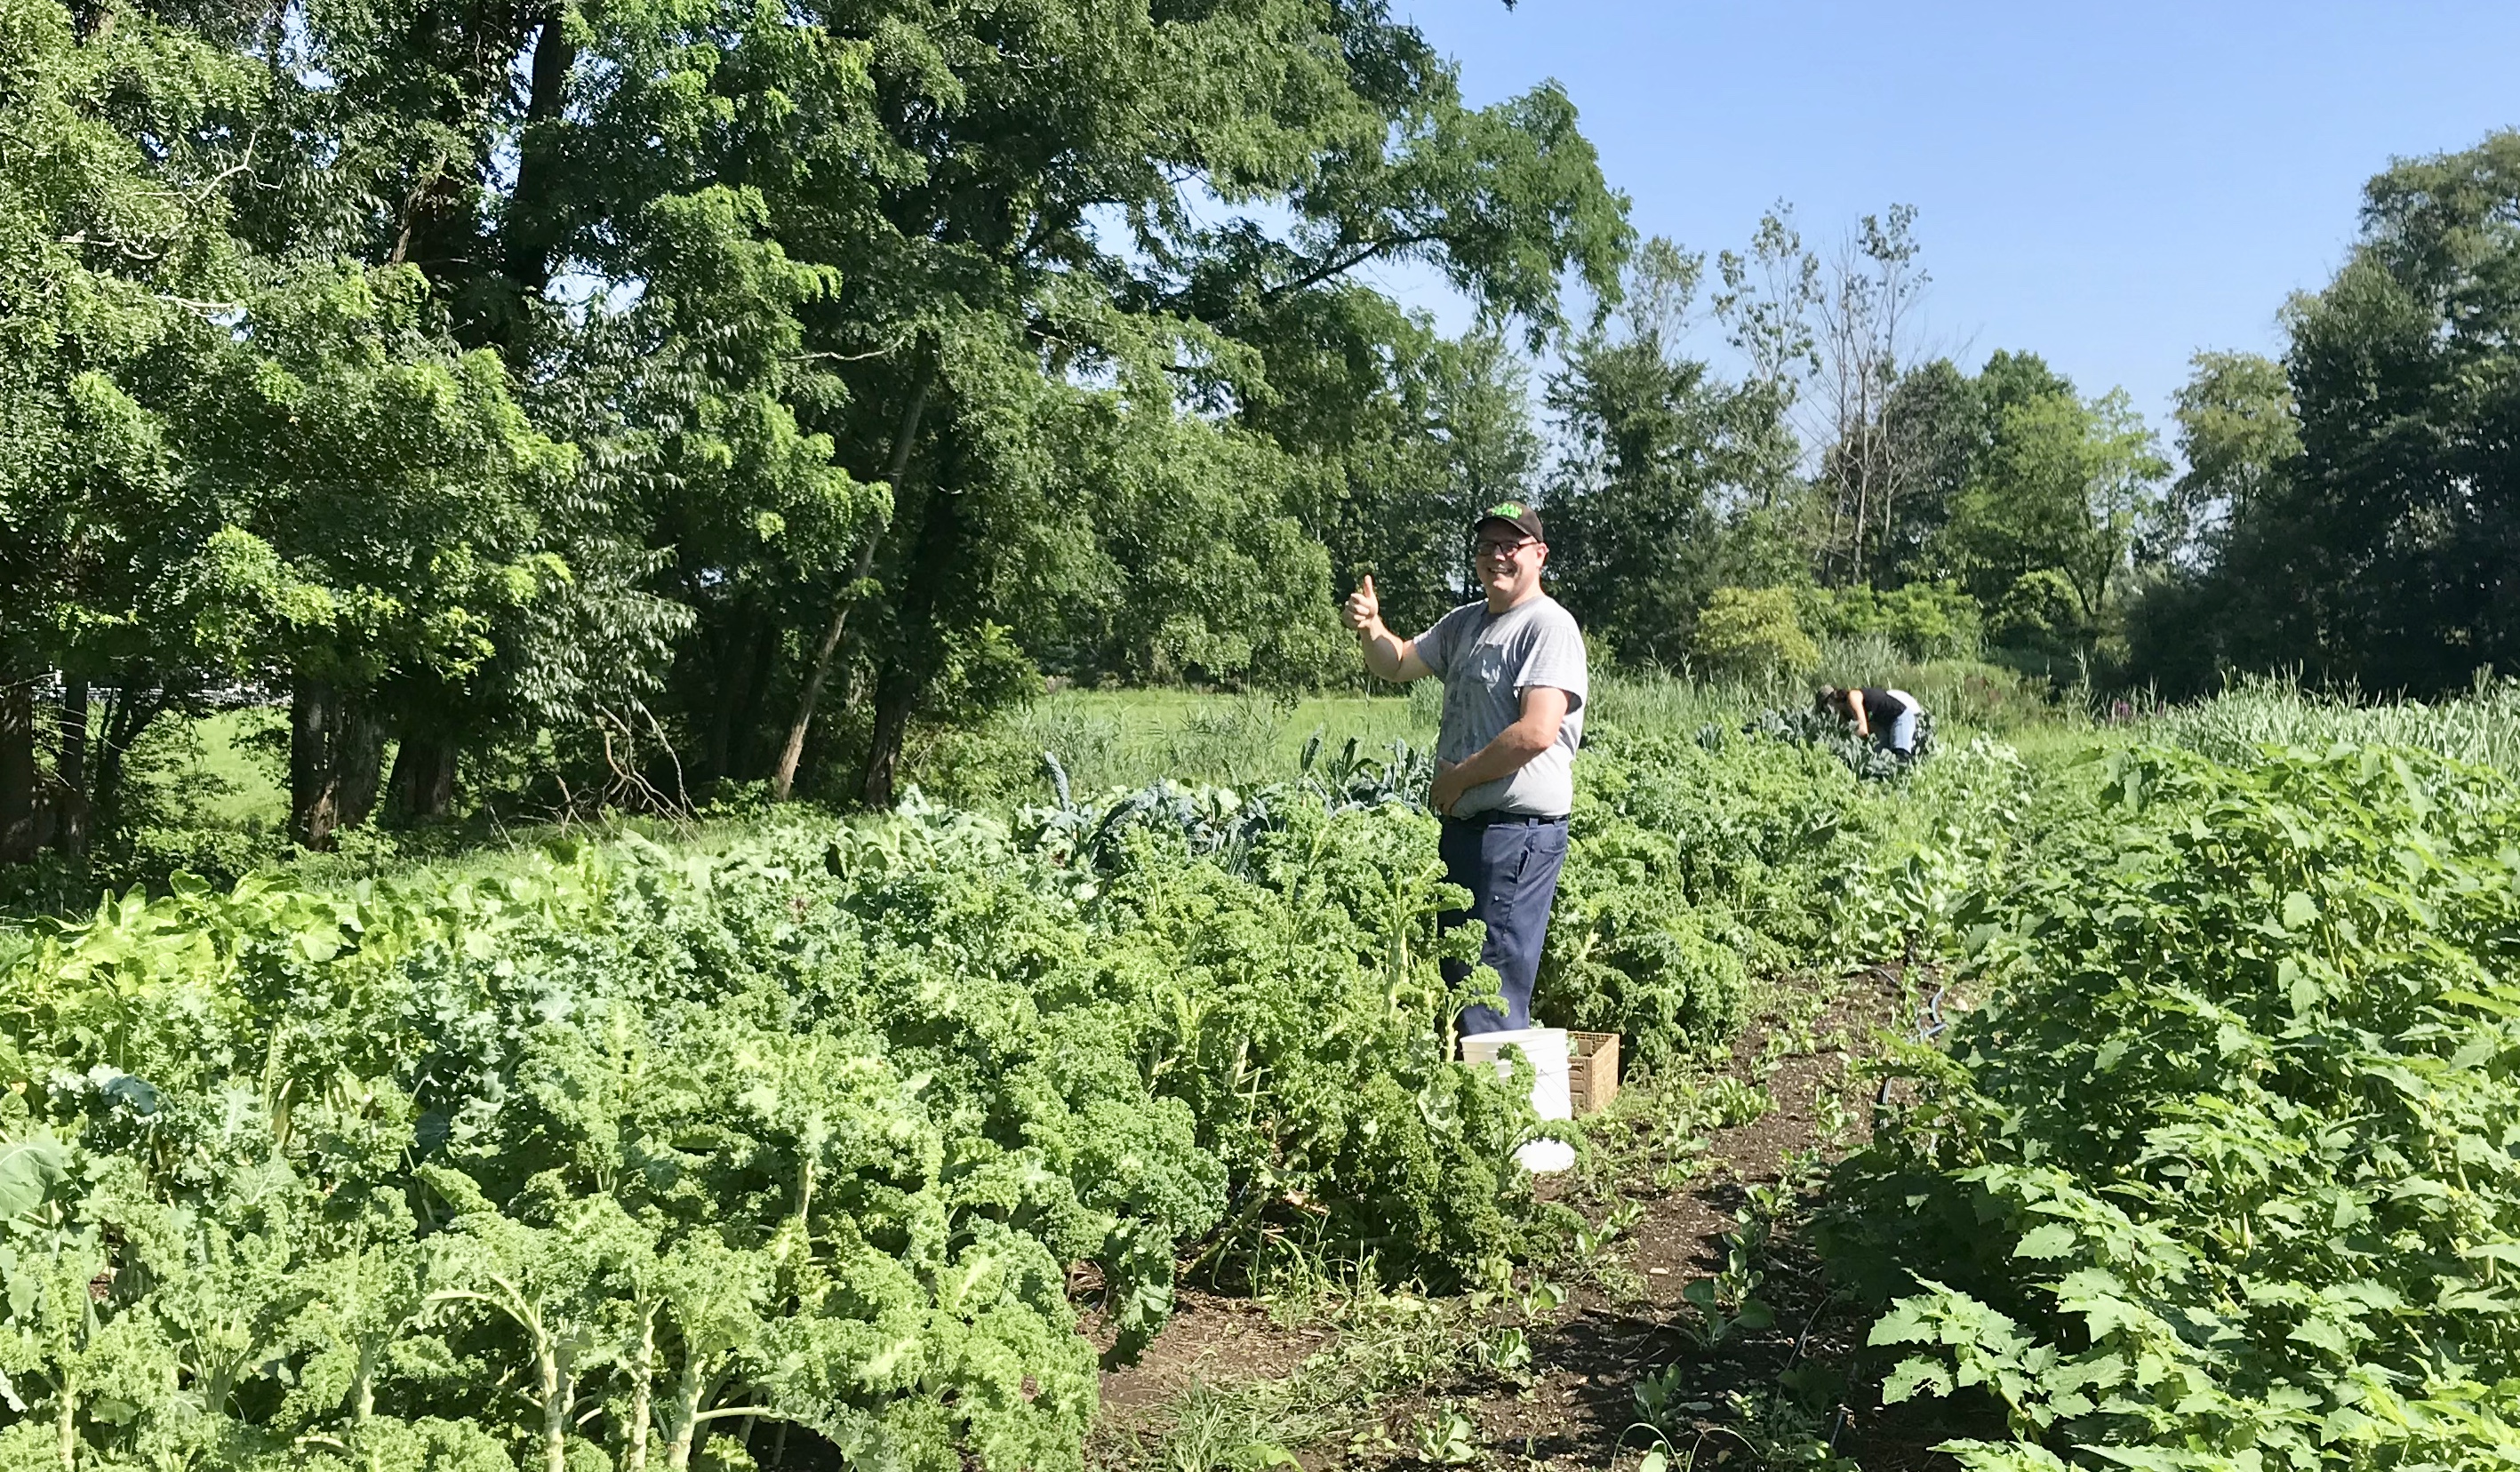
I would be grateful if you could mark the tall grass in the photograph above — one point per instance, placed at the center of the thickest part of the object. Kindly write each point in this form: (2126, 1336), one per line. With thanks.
(2482, 725)
(1963, 693)
(1655, 702)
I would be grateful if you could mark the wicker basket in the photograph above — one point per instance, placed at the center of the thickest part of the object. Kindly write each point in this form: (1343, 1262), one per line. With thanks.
(1592, 1070)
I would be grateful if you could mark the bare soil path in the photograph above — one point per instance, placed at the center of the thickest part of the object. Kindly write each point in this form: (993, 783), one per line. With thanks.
(1623, 1317)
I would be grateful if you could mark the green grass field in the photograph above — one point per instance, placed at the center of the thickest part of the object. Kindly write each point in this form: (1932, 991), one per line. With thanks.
(243, 784)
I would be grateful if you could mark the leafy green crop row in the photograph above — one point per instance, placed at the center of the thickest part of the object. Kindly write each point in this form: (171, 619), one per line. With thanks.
(1693, 865)
(632, 1148)
(2219, 1174)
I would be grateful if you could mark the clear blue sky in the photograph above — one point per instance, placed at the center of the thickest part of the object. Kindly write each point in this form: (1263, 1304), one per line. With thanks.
(2112, 186)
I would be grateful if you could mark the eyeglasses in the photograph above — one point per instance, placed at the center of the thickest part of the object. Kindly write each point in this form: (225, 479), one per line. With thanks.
(1501, 548)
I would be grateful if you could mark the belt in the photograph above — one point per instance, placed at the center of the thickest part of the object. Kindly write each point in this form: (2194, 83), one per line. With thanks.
(1504, 820)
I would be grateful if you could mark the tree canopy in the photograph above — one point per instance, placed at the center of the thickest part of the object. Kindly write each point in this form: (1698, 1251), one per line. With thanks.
(2366, 521)
(757, 382)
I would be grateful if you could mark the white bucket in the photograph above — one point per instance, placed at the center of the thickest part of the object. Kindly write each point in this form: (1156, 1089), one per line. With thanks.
(1546, 1047)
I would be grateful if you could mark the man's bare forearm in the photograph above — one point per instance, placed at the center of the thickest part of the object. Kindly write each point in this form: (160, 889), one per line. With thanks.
(1382, 652)
(1514, 749)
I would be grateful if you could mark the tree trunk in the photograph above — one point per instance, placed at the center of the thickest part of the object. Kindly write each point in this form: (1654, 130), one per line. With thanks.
(334, 751)
(895, 697)
(1837, 521)
(423, 776)
(746, 650)
(361, 758)
(1863, 502)
(744, 746)
(783, 779)
(533, 231)
(535, 227)
(717, 738)
(71, 833)
(314, 762)
(930, 563)
(16, 769)
(126, 716)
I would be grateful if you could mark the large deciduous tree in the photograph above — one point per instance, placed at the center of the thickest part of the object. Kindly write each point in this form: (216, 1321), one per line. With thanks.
(2059, 508)
(2065, 487)
(2396, 535)
(2362, 509)
(404, 496)
(986, 298)
(772, 379)
(1864, 323)
(2238, 435)
(1934, 426)
(113, 259)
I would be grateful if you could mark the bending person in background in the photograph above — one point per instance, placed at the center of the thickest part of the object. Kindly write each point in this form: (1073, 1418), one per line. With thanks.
(1515, 687)
(1887, 717)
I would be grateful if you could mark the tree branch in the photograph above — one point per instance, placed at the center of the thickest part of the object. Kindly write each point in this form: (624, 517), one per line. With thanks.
(1325, 272)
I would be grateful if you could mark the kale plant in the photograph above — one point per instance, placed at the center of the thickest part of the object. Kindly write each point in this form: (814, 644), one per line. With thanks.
(623, 1150)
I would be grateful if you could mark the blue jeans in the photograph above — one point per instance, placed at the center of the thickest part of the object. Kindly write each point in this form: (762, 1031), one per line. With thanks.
(1902, 737)
(1510, 869)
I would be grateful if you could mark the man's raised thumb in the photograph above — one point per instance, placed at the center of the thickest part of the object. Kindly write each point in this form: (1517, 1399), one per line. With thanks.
(1369, 585)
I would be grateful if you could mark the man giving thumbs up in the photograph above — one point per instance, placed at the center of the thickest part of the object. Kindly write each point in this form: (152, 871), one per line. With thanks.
(1514, 683)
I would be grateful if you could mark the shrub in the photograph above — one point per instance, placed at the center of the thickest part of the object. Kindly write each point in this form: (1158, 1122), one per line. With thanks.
(1926, 620)
(1752, 632)
(2040, 614)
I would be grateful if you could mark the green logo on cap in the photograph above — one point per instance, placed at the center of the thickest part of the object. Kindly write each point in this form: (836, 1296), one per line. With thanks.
(1511, 511)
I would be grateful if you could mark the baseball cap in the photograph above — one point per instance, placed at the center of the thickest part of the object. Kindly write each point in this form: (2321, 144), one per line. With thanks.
(1517, 515)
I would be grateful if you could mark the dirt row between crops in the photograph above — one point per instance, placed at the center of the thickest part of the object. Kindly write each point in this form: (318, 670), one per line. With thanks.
(1575, 1406)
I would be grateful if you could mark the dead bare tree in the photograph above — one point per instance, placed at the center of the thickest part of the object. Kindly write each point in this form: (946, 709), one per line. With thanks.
(1864, 323)
(1765, 302)
(630, 740)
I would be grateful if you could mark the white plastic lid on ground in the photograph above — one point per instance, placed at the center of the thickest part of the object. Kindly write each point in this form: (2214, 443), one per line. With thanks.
(1546, 1049)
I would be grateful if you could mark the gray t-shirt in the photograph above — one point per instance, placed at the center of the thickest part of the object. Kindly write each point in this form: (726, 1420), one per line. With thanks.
(1486, 662)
